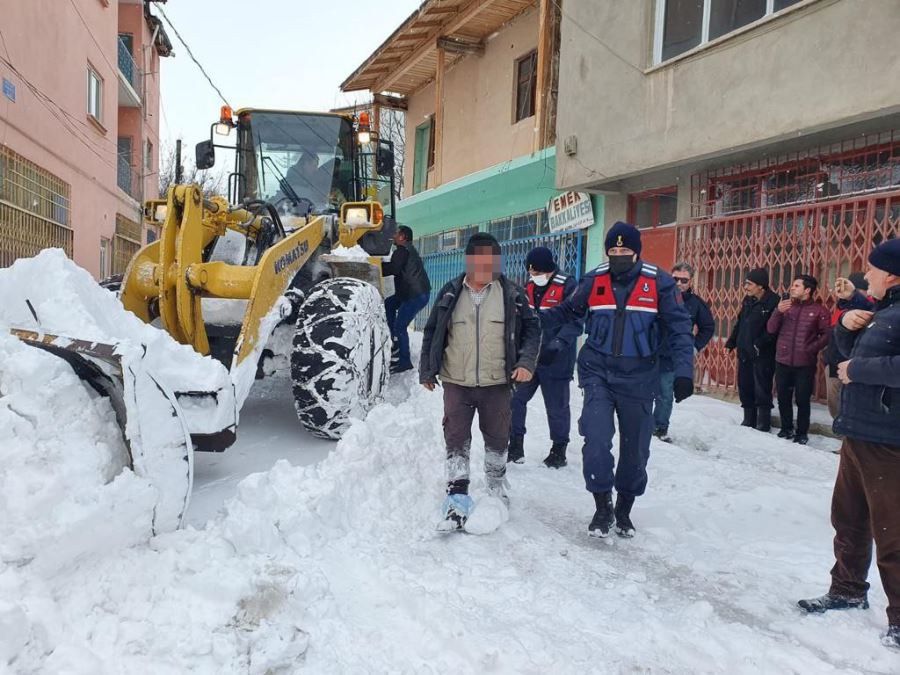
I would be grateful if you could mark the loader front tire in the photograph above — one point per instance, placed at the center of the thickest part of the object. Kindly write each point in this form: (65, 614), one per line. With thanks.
(341, 355)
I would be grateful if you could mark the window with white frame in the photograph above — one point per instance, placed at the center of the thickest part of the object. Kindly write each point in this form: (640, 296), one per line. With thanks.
(94, 94)
(682, 25)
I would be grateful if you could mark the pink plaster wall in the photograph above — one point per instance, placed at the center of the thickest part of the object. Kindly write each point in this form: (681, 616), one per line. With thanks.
(51, 46)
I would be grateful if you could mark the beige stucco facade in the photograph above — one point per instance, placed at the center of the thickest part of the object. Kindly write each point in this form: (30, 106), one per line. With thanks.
(822, 70)
(48, 122)
(479, 128)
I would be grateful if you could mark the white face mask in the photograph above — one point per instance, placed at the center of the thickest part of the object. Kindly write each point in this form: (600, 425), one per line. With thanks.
(541, 279)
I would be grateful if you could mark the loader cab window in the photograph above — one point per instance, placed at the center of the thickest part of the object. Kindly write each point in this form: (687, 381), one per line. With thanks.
(289, 158)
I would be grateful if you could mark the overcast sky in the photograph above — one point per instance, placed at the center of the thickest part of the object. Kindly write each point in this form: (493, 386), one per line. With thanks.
(290, 54)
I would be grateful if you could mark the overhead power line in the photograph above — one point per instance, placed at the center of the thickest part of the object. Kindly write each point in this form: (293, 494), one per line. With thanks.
(191, 55)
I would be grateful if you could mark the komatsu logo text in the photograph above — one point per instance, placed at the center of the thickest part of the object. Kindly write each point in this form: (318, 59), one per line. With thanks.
(291, 256)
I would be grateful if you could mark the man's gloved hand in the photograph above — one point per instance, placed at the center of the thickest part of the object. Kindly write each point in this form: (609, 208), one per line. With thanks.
(683, 388)
(549, 352)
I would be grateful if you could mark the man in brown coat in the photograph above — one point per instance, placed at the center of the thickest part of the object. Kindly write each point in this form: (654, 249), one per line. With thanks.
(802, 326)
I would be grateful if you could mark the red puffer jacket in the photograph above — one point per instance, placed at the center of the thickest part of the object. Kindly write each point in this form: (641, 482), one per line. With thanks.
(802, 333)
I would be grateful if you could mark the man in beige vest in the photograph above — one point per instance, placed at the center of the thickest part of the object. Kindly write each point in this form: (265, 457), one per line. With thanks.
(481, 337)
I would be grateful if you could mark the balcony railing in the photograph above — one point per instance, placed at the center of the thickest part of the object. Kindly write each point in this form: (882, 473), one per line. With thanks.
(128, 67)
(127, 178)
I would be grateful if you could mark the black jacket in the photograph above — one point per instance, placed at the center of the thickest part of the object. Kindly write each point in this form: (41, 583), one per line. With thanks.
(870, 404)
(749, 335)
(522, 329)
(410, 277)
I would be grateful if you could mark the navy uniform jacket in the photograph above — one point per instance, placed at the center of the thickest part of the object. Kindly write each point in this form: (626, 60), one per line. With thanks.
(565, 334)
(628, 319)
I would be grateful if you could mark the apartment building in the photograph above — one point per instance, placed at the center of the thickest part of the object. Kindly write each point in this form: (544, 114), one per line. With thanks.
(79, 127)
(737, 133)
(477, 80)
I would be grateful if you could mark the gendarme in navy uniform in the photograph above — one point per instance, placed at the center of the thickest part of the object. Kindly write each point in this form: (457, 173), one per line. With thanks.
(631, 308)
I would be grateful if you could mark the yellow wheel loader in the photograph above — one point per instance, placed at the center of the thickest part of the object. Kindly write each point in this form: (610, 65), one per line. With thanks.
(284, 274)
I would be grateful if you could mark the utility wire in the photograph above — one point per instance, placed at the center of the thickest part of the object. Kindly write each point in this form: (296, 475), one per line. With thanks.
(191, 54)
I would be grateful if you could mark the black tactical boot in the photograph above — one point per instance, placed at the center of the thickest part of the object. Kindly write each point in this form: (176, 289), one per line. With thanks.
(749, 418)
(624, 526)
(801, 439)
(557, 457)
(830, 601)
(662, 433)
(786, 432)
(602, 521)
(516, 450)
(764, 419)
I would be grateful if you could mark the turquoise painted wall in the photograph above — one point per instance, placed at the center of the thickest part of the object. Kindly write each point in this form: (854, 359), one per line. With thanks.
(523, 184)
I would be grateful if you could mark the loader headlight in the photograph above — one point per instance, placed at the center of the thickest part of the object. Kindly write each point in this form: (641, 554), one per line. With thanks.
(357, 215)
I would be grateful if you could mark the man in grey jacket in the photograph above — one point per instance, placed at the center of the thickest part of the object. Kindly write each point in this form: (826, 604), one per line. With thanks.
(481, 337)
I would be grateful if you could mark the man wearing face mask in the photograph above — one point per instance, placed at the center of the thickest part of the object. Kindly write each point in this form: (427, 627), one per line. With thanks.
(632, 308)
(546, 288)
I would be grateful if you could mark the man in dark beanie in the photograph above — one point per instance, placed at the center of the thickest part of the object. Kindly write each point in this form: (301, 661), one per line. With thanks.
(630, 307)
(850, 293)
(546, 288)
(755, 350)
(481, 338)
(866, 501)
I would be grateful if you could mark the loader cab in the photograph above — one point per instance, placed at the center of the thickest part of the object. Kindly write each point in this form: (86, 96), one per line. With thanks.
(308, 161)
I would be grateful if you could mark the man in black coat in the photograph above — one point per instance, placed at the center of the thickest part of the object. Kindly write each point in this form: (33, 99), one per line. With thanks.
(866, 501)
(411, 292)
(755, 350)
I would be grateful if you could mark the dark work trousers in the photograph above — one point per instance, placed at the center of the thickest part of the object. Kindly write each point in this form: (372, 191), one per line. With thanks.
(555, 392)
(460, 406)
(866, 506)
(794, 383)
(632, 404)
(755, 382)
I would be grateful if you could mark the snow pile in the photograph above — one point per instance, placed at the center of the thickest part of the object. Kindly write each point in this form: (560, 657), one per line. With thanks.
(154, 370)
(64, 489)
(350, 253)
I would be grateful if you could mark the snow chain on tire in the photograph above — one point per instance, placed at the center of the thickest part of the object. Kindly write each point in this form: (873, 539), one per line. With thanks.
(341, 355)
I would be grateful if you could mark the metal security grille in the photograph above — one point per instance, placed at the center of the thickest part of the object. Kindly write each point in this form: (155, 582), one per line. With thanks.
(34, 209)
(826, 240)
(126, 244)
(567, 247)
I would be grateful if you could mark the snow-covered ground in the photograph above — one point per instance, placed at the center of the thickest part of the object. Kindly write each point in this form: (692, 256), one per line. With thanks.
(307, 556)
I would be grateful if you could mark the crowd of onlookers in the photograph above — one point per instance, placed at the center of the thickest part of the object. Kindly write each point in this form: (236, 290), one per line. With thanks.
(491, 345)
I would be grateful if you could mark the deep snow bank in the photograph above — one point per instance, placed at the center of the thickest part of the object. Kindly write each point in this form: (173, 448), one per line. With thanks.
(155, 369)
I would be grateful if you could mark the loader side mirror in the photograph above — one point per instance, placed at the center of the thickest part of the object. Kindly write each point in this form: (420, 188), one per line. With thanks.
(205, 155)
(384, 161)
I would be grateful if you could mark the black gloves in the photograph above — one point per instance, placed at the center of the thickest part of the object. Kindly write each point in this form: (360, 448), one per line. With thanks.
(549, 352)
(683, 388)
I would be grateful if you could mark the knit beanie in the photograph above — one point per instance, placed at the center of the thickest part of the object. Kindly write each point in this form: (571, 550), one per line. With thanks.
(886, 256)
(541, 259)
(623, 235)
(759, 276)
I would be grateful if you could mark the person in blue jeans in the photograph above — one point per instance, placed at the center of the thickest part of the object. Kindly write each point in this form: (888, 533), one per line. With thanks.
(703, 326)
(412, 290)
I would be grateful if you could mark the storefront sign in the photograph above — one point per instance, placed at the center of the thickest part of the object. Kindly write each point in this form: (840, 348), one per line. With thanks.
(570, 211)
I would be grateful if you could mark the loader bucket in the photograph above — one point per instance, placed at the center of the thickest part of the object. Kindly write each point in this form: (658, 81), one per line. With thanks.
(156, 436)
